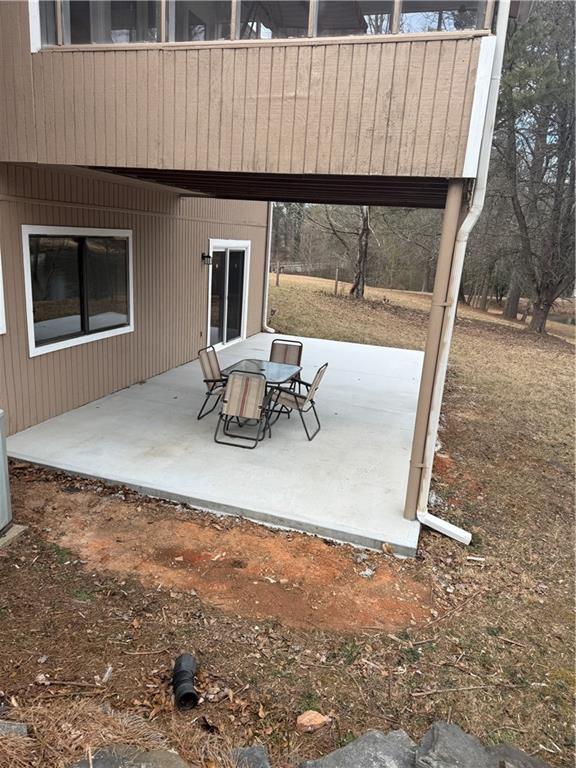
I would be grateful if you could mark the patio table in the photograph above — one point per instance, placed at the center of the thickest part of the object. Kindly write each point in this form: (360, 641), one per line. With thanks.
(275, 373)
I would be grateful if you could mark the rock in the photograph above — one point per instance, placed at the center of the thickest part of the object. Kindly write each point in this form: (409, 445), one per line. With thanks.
(374, 749)
(447, 746)
(10, 728)
(513, 758)
(251, 757)
(125, 756)
(311, 721)
(367, 573)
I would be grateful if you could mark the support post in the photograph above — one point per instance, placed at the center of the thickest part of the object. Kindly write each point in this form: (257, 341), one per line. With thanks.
(336, 283)
(434, 341)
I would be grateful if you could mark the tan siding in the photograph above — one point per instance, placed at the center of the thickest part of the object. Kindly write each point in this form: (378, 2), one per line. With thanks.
(170, 284)
(392, 106)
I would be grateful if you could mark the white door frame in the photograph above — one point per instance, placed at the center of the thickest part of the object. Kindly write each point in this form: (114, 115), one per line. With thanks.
(230, 245)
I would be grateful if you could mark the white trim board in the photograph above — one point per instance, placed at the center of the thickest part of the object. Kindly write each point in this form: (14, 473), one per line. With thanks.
(33, 229)
(34, 23)
(479, 106)
(223, 245)
(2, 302)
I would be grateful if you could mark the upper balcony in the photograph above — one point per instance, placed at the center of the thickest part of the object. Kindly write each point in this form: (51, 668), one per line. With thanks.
(382, 87)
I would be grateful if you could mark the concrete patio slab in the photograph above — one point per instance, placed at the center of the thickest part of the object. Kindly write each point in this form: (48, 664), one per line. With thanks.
(348, 484)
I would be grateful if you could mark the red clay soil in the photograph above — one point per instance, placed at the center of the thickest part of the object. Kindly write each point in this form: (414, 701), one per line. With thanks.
(234, 565)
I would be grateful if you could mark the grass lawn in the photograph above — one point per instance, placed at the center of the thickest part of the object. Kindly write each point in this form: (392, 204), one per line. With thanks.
(490, 646)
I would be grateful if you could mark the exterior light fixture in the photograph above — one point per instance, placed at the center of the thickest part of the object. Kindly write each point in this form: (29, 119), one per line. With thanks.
(206, 259)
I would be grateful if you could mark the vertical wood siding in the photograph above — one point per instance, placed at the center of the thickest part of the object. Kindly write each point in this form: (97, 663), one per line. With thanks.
(360, 106)
(170, 284)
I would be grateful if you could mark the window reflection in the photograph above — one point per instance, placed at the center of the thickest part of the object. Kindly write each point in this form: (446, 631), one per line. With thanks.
(344, 17)
(442, 16)
(283, 18)
(110, 21)
(199, 20)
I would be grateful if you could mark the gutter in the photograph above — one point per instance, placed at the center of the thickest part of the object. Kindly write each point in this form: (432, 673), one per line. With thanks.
(265, 327)
(477, 204)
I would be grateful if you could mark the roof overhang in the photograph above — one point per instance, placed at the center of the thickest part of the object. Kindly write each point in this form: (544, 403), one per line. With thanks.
(391, 191)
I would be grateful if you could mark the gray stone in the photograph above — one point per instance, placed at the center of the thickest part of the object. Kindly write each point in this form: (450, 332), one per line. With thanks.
(447, 746)
(125, 756)
(9, 728)
(251, 757)
(513, 758)
(374, 749)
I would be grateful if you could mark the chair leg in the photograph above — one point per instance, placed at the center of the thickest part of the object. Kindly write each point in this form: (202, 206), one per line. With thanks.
(318, 427)
(203, 413)
(252, 442)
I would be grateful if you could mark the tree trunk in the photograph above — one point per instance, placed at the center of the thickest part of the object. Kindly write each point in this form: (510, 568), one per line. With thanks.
(277, 281)
(461, 294)
(486, 285)
(359, 284)
(540, 310)
(513, 299)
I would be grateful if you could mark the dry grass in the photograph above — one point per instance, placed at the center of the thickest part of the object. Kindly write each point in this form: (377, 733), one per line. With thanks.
(64, 732)
(496, 657)
(420, 302)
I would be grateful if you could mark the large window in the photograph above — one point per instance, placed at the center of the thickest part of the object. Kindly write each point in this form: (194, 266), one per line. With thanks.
(78, 285)
(274, 18)
(344, 17)
(441, 16)
(199, 20)
(110, 21)
(122, 22)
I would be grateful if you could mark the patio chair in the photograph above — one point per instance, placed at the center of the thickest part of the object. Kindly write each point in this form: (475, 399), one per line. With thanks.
(303, 403)
(290, 352)
(215, 383)
(245, 400)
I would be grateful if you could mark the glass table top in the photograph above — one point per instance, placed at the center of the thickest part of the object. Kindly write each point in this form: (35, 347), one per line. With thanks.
(275, 373)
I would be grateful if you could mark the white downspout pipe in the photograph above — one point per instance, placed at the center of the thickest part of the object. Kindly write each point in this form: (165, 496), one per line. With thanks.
(477, 204)
(265, 327)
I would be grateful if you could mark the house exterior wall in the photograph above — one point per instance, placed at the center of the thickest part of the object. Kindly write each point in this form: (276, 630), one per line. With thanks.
(170, 283)
(396, 105)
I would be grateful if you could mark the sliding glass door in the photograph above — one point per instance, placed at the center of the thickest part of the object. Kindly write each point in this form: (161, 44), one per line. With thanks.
(227, 294)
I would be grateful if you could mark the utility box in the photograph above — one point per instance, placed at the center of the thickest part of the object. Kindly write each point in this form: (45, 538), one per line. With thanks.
(5, 506)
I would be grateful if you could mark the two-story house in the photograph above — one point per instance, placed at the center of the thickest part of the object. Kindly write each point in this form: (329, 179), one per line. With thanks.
(141, 143)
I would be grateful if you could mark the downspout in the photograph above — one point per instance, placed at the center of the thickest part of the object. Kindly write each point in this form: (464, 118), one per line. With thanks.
(476, 206)
(269, 220)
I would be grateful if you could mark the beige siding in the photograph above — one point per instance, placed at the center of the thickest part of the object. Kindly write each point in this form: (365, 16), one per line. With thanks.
(394, 106)
(170, 284)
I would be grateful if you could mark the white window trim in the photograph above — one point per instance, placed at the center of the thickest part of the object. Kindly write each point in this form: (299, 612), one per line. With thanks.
(218, 245)
(27, 230)
(3, 328)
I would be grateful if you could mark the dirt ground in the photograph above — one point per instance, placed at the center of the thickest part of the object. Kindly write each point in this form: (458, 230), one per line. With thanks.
(96, 602)
(235, 565)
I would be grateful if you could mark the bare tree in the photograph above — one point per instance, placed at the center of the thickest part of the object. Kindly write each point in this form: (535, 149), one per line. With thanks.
(535, 141)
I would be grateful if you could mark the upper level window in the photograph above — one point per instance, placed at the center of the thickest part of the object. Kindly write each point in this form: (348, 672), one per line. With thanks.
(110, 21)
(441, 16)
(199, 20)
(78, 285)
(344, 17)
(275, 18)
(121, 22)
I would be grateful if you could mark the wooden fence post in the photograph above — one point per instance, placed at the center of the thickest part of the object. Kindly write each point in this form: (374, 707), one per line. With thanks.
(336, 283)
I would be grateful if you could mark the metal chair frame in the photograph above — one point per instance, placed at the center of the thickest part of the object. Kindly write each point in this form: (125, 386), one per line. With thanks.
(307, 406)
(262, 424)
(211, 385)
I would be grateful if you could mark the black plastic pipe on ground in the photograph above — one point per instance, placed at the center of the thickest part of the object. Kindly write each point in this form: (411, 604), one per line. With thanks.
(183, 681)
